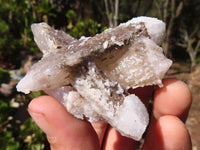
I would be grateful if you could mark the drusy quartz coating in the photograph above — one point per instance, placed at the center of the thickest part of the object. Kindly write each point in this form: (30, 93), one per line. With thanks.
(91, 76)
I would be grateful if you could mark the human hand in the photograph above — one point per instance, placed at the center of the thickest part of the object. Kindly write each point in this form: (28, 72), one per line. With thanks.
(166, 131)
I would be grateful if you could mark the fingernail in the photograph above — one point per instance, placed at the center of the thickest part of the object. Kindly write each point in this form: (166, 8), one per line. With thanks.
(42, 122)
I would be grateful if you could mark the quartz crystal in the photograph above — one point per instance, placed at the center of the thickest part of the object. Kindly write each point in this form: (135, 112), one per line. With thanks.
(91, 76)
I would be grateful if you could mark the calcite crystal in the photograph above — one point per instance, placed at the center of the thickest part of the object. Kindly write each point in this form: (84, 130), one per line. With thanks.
(91, 76)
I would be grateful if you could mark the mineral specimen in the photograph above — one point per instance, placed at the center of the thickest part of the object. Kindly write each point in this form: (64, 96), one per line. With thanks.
(91, 76)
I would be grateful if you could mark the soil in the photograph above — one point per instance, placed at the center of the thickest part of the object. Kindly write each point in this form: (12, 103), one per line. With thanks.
(181, 71)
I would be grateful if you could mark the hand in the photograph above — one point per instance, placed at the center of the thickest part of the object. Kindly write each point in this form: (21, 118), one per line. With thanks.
(166, 131)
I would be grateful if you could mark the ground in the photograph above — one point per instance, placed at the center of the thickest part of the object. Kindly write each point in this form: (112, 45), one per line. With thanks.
(182, 72)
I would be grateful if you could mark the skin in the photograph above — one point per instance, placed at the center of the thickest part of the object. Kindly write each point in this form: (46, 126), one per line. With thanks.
(166, 131)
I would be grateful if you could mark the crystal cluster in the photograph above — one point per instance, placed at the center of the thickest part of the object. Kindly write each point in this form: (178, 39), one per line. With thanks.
(91, 76)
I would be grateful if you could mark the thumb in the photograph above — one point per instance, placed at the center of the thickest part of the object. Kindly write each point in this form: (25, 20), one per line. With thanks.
(62, 129)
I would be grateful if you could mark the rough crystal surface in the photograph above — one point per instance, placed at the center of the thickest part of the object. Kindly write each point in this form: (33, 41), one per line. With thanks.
(91, 76)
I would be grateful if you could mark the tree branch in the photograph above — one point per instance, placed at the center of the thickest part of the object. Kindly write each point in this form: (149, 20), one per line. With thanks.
(179, 9)
(182, 45)
(116, 12)
(108, 13)
(194, 32)
(197, 46)
(165, 10)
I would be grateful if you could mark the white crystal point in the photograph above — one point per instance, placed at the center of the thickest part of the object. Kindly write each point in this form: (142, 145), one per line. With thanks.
(26, 85)
(155, 27)
(48, 39)
(132, 118)
(44, 75)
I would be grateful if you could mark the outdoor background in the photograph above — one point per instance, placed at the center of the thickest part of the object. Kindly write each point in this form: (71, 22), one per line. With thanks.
(87, 17)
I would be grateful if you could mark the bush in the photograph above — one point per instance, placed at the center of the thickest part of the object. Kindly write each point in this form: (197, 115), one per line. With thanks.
(19, 130)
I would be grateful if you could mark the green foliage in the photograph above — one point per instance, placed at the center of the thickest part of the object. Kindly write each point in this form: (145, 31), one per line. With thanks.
(34, 94)
(14, 23)
(70, 14)
(31, 134)
(18, 134)
(8, 143)
(44, 7)
(7, 140)
(4, 107)
(86, 28)
(3, 27)
(16, 18)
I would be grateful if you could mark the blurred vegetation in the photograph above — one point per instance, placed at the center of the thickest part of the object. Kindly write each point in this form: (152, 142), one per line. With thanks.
(78, 18)
(18, 131)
